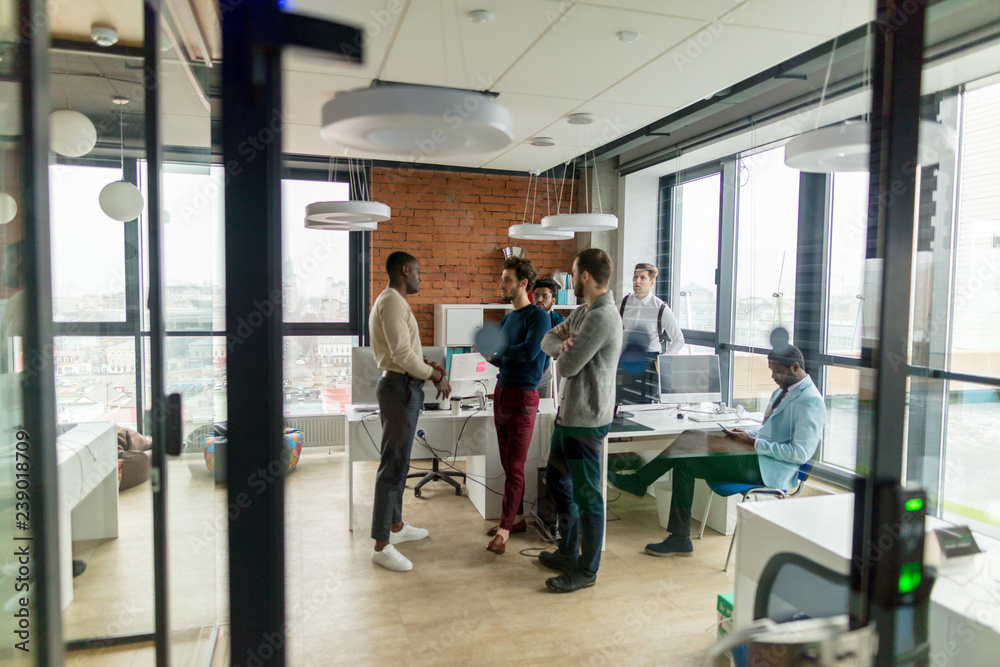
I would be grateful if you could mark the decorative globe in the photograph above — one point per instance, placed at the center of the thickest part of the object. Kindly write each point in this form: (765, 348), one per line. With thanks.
(293, 440)
(71, 133)
(209, 452)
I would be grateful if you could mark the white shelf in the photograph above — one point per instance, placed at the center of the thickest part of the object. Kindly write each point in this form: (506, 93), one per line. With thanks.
(455, 324)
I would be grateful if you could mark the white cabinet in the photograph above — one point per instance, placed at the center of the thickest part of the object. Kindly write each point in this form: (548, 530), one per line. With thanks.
(455, 325)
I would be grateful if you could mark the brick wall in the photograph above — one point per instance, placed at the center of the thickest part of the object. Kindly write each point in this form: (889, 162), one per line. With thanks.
(456, 225)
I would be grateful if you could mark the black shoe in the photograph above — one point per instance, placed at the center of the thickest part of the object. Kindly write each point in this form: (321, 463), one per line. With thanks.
(672, 546)
(557, 561)
(627, 483)
(571, 581)
(78, 567)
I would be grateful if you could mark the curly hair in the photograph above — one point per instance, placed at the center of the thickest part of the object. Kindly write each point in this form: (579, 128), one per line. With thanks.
(523, 269)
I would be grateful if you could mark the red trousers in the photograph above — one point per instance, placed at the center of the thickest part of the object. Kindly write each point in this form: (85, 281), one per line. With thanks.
(514, 413)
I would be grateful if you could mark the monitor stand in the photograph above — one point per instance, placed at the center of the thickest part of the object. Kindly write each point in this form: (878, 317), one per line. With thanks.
(620, 415)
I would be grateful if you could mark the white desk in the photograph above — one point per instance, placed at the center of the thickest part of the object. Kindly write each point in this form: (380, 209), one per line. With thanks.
(664, 427)
(478, 443)
(88, 492)
(964, 610)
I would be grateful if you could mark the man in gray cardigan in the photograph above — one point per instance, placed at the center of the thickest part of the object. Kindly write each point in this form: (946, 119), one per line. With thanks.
(586, 348)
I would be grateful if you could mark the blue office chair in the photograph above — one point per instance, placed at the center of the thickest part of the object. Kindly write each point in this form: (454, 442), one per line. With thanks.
(726, 489)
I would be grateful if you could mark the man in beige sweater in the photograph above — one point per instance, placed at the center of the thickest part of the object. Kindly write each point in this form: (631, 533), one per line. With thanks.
(395, 341)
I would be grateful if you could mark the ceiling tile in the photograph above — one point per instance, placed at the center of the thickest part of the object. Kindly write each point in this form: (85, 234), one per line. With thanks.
(72, 20)
(581, 56)
(305, 93)
(692, 71)
(818, 17)
(377, 19)
(697, 9)
(440, 46)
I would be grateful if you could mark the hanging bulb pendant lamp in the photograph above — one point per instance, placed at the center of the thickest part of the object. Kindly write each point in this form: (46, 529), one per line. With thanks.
(352, 215)
(121, 200)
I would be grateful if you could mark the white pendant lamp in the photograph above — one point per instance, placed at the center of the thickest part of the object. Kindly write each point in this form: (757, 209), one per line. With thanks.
(121, 200)
(353, 215)
(530, 232)
(844, 147)
(71, 133)
(582, 222)
(417, 121)
(8, 208)
(535, 232)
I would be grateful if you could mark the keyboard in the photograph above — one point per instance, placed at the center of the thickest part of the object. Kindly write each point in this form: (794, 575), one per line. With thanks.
(722, 417)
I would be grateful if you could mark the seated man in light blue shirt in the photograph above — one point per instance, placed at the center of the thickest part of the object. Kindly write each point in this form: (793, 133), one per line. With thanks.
(787, 438)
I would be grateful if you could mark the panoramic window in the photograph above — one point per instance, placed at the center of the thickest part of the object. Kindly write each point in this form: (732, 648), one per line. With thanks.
(696, 252)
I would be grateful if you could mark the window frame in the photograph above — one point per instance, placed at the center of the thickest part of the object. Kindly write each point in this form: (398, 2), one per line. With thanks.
(358, 273)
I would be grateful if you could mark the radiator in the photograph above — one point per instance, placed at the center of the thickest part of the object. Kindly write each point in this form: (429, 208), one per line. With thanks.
(319, 430)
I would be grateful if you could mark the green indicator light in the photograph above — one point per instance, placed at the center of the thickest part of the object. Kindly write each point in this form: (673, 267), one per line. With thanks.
(914, 504)
(909, 578)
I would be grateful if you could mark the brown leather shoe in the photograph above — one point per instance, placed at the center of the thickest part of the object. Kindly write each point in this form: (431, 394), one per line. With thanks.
(497, 545)
(518, 527)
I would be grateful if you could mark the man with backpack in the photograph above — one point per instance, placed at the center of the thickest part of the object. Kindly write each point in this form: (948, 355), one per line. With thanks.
(649, 324)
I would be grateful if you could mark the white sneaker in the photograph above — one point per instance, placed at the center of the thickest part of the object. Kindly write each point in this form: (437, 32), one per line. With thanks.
(391, 559)
(408, 534)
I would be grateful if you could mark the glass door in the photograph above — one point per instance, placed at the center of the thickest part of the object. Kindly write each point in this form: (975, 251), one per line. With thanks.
(185, 332)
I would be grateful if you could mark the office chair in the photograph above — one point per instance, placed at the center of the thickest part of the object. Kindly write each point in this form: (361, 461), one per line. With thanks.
(792, 587)
(435, 473)
(726, 489)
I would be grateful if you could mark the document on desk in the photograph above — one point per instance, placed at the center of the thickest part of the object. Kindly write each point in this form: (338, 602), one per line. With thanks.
(701, 443)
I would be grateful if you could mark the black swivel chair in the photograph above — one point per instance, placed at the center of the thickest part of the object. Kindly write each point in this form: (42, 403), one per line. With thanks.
(435, 473)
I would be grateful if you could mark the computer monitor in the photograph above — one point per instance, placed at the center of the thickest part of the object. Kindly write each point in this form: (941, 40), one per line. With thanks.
(365, 375)
(690, 378)
(470, 374)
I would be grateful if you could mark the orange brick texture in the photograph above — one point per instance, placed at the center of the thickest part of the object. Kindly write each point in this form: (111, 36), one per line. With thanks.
(456, 224)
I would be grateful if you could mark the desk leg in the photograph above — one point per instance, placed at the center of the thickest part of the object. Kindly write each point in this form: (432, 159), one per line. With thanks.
(349, 475)
(604, 490)
(65, 557)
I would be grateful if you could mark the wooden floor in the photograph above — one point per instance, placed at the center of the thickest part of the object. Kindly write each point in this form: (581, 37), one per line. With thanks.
(461, 604)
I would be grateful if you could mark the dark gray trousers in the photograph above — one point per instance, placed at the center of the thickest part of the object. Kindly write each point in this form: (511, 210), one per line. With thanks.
(399, 404)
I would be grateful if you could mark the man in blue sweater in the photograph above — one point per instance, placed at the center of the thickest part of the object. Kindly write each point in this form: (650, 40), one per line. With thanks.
(515, 402)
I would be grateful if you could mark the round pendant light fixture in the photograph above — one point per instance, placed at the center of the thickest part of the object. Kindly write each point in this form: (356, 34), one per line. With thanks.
(71, 133)
(421, 121)
(121, 200)
(8, 208)
(580, 222)
(351, 215)
(844, 147)
(530, 232)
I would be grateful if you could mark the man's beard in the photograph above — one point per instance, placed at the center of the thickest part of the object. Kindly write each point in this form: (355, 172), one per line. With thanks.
(505, 299)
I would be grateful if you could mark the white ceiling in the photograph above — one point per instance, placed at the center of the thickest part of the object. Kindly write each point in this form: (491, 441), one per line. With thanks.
(545, 58)
(548, 59)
